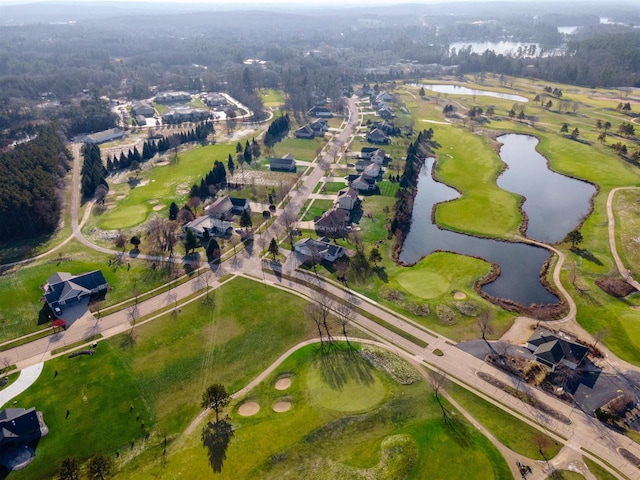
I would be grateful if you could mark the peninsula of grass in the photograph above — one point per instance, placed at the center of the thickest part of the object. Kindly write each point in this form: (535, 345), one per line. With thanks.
(320, 438)
(160, 370)
(510, 431)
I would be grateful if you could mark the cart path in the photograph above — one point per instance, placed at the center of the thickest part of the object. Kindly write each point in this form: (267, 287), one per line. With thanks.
(28, 377)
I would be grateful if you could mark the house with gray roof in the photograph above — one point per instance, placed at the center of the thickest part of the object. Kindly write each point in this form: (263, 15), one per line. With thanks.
(173, 97)
(554, 349)
(285, 164)
(312, 250)
(215, 100)
(214, 226)
(143, 108)
(348, 199)
(221, 208)
(320, 111)
(18, 428)
(335, 222)
(305, 132)
(63, 289)
(377, 136)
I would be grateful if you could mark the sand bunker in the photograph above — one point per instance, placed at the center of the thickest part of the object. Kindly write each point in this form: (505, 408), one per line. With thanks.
(158, 207)
(153, 201)
(120, 197)
(249, 408)
(459, 296)
(283, 383)
(282, 406)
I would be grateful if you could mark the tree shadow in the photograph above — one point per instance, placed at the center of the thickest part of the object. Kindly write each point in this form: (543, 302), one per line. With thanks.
(586, 254)
(215, 438)
(340, 364)
(382, 274)
(45, 315)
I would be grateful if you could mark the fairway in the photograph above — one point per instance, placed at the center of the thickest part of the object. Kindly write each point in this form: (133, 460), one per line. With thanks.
(424, 284)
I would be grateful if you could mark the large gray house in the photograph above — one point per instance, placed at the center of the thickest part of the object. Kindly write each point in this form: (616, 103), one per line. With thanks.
(63, 289)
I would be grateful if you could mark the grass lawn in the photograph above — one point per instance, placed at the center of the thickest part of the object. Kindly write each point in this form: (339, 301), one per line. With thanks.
(20, 291)
(331, 188)
(318, 207)
(320, 438)
(598, 471)
(300, 148)
(511, 432)
(162, 373)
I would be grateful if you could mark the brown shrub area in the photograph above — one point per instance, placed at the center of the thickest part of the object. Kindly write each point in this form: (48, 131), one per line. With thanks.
(615, 286)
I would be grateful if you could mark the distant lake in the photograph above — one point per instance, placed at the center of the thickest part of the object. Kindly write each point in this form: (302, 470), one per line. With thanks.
(498, 47)
(458, 90)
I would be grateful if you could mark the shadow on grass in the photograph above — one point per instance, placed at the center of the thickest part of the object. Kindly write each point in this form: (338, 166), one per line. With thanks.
(340, 364)
(382, 274)
(586, 254)
(215, 438)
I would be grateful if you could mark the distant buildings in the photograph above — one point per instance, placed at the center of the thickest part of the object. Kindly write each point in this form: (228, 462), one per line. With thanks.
(104, 136)
(185, 114)
(173, 97)
(143, 108)
(215, 100)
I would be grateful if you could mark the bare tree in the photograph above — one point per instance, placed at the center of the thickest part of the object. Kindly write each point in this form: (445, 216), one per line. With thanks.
(485, 324)
(288, 221)
(345, 313)
(438, 381)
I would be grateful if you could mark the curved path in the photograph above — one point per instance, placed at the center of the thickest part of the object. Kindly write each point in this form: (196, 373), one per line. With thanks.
(626, 274)
(27, 377)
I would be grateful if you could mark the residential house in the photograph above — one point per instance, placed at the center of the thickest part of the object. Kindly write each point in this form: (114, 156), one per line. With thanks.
(215, 100)
(19, 426)
(555, 350)
(378, 156)
(285, 164)
(143, 108)
(383, 97)
(214, 226)
(320, 111)
(364, 92)
(348, 199)
(385, 112)
(240, 205)
(364, 183)
(319, 127)
(305, 132)
(377, 136)
(221, 208)
(63, 289)
(368, 152)
(104, 136)
(335, 222)
(372, 170)
(141, 120)
(319, 250)
(173, 97)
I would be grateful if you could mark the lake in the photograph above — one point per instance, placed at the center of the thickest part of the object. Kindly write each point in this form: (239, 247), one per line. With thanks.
(458, 90)
(520, 263)
(555, 204)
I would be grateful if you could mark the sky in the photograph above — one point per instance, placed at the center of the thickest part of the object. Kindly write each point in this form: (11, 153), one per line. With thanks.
(261, 2)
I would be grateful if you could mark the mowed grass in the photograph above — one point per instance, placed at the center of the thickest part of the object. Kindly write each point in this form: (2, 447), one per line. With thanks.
(20, 291)
(599, 472)
(162, 184)
(330, 188)
(161, 372)
(317, 208)
(302, 149)
(272, 98)
(315, 440)
(510, 431)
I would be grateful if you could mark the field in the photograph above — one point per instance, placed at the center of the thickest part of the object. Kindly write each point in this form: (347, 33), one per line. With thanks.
(151, 382)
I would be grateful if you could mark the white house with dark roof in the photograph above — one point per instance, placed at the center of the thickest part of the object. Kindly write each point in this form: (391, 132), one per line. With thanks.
(348, 199)
(320, 111)
(554, 350)
(215, 226)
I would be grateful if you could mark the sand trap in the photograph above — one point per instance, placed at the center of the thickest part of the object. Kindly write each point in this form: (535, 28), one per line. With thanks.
(459, 296)
(249, 408)
(120, 197)
(283, 383)
(153, 201)
(158, 207)
(632, 307)
(282, 406)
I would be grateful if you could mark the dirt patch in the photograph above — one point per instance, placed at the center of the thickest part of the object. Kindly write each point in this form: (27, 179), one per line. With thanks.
(249, 408)
(459, 296)
(520, 331)
(158, 207)
(282, 406)
(283, 383)
(616, 287)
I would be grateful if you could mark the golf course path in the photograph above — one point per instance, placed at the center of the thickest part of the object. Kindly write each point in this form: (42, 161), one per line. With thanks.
(625, 273)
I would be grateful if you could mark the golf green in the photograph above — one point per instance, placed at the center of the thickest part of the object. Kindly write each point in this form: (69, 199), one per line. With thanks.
(345, 390)
(424, 284)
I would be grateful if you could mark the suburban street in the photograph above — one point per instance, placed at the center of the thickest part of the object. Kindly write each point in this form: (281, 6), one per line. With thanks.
(585, 435)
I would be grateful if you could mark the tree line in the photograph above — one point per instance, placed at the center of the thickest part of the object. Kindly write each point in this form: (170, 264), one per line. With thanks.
(93, 173)
(277, 130)
(33, 180)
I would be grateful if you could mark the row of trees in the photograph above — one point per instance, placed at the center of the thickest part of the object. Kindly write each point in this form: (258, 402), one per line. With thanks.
(212, 182)
(277, 130)
(93, 173)
(32, 176)
(417, 152)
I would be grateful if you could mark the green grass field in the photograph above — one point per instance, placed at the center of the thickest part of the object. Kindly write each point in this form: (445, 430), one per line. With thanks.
(302, 149)
(330, 188)
(272, 98)
(320, 438)
(161, 373)
(318, 207)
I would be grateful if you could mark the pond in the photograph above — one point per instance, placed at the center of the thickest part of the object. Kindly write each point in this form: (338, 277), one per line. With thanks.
(555, 204)
(520, 263)
(458, 90)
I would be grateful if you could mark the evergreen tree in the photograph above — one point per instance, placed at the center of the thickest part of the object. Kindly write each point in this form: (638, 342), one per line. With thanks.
(173, 211)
